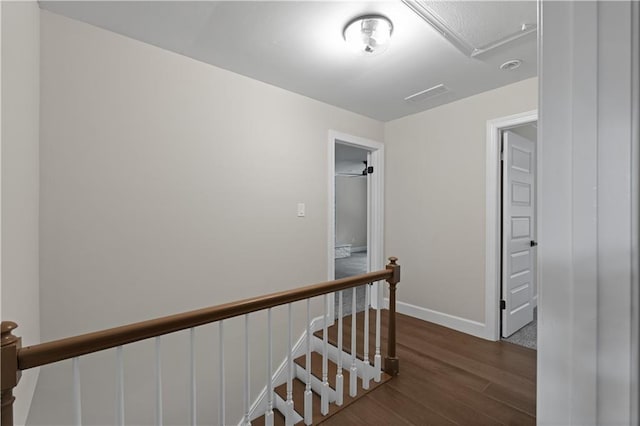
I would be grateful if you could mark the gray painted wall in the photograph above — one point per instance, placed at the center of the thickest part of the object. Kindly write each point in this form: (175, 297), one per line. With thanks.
(20, 181)
(435, 200)
(169, 185)
(351, 211)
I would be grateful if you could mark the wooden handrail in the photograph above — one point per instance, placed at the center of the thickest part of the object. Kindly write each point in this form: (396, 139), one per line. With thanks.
(15, 359)
(58, 350)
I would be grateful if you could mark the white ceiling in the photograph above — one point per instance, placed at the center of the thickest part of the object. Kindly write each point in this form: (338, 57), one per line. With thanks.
(298, 45)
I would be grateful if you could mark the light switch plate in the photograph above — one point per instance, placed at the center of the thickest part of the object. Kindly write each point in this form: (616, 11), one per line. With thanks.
(301, 209)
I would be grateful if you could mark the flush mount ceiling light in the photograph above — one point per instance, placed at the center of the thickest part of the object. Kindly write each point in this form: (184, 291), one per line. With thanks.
(369, 34)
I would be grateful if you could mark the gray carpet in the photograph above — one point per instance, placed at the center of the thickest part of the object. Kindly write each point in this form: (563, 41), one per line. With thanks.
(355, 264)
(527, 336)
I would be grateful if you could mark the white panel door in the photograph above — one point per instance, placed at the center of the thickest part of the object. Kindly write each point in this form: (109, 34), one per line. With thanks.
(518, 232)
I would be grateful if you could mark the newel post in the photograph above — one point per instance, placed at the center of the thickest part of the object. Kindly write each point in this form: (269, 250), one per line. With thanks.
(391, 363)
(10, 373)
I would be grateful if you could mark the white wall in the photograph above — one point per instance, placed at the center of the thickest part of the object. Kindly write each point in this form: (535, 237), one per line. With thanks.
(435, 209)
(587, 361)
(351, 211)
(528, 131)
(168, 185)
(20, 181)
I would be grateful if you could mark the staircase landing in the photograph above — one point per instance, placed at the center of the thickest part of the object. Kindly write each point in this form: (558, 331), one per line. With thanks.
(446, 378)
(450, 378)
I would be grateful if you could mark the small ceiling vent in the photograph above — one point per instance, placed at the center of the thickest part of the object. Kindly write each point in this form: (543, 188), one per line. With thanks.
(431, 92)
(511, 65)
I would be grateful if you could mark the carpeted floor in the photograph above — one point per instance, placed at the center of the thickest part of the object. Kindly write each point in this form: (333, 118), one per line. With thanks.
(527, 336)
(355, 264)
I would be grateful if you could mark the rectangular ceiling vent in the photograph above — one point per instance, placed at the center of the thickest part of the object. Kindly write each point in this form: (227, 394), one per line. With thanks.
(431, 92)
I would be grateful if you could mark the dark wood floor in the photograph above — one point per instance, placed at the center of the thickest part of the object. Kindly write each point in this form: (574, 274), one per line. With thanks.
(449, 378)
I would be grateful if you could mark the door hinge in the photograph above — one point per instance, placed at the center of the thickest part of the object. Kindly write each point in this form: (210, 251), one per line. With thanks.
(370, 169)
(501, 155)
(503, 304)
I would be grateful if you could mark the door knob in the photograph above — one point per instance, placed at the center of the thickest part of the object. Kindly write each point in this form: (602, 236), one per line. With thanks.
(533, 243)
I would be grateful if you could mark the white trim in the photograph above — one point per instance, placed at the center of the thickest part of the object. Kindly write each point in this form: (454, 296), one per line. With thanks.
(333, 353)
(492, 248)
(316, 383)
(450, 321)
(281, 405)
(585, 360)
(1, 159)
(358, 249)
(375, 211)
(635, 213)
(259, 406)
(421, 8)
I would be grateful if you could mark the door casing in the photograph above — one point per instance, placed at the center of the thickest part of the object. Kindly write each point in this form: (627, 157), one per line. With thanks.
(375, 209)
(493, 215)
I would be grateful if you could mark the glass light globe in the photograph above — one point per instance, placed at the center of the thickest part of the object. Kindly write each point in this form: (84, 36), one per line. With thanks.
(368, 35)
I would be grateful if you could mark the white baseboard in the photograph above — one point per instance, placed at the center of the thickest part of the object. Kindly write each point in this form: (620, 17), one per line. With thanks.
(463, 325)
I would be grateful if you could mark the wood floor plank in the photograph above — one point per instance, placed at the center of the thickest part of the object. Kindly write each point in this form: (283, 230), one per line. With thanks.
(410, 410)
(497, 354)
(453, 374)
(509, 358)
(446, 377)
(492, 373)
(437, 399)
(526, 403)
(496, 408)
(366, 412)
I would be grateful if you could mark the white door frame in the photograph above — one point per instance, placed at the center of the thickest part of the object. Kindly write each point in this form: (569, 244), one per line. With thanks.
(375, 208)
(492, 182)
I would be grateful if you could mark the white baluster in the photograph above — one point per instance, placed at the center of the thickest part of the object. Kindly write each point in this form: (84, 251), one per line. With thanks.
(377, 359)
(119, 387)
(247, 401)
(77, 402)
(365, 370)
(268, 417)
(221, 383)
(353, 373)
(192, 365)
(324, 394)
(339, 376)
(158, 371)
(289, 402)
(308, 401)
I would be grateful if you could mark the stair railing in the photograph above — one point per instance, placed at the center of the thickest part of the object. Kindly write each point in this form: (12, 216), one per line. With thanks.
(15, 359)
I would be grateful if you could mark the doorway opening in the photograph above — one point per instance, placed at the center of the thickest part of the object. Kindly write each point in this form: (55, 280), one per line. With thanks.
(351, 204)
(355, 216)
(511, 251)
(518, 289)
